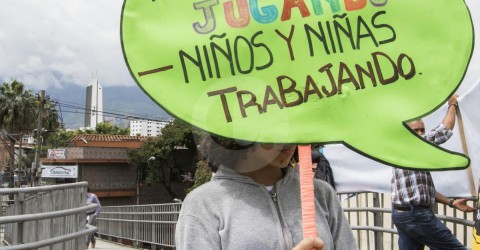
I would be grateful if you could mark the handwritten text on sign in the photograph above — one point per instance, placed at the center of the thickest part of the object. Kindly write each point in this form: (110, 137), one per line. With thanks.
(269, 70)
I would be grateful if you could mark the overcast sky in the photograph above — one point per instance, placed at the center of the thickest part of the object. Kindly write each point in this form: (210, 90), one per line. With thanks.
(58, 42)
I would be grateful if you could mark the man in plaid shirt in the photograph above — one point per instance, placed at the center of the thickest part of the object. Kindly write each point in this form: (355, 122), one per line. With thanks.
(414, 194)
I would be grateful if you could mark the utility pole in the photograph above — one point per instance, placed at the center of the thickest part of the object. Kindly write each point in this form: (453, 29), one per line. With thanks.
(38, 144)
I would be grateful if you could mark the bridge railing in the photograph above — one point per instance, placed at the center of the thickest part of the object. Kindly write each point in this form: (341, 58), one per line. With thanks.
(368, 214)
(47, 217)
(152, 225)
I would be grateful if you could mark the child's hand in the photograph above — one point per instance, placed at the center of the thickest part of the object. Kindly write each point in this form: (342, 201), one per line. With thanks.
(309, 244)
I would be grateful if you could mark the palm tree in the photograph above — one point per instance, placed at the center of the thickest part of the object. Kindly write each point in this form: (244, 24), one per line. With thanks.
(19, 111)
(18, 108)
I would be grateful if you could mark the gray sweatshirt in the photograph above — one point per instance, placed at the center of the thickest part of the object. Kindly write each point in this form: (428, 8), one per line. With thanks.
(234, 212)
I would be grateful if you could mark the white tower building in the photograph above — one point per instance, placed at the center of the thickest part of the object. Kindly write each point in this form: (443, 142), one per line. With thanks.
(94, 104)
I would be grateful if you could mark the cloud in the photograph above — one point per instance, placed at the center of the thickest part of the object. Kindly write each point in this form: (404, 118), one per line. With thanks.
(55, 42)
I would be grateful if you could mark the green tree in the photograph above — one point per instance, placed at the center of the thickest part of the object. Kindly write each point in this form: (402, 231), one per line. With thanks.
(203, 174)
(19, 113)
(60, 138)
(106, 128)
(17, 110)
(156, 159)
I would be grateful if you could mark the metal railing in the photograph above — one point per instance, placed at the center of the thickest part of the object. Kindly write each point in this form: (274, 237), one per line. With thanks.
(152, 225)
(368, 214)
(4, 202)
(47, 217)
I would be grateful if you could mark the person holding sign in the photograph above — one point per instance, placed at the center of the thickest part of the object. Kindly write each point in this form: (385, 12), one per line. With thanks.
(253, 202)
(414, 194)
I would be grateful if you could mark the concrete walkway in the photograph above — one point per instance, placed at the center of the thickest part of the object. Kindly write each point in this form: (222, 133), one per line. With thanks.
(101, 244)
(107, 245)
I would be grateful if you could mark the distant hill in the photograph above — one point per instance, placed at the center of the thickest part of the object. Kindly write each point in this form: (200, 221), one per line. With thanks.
(119, 103)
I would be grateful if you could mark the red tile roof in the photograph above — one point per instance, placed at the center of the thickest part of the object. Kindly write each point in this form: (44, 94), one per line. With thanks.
(109, 138)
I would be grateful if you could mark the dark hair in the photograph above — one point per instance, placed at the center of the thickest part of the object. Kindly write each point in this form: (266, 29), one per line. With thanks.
(88, 189)
(219, 151)
(315, 156)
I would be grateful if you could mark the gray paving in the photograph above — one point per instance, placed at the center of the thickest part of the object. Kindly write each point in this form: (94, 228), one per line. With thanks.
(101, 244)
(107, 245)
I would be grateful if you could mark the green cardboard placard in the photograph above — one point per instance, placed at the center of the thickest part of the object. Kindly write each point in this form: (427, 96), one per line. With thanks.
(298, 71)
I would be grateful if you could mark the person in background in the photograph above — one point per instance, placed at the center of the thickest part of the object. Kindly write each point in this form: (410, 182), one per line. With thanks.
(323, 171)
(253, 202)
(92, 215)
(414, 194)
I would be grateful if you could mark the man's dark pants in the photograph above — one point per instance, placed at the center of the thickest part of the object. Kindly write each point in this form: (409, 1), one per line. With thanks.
(420, 227)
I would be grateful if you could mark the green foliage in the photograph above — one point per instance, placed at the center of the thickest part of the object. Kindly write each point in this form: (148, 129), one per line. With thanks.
(106, 128)
(177, 133)
(19, 113)
(19, 109)
(203, 174)
(50, 116)
(144, 158)
(60, 138)
(156, 157)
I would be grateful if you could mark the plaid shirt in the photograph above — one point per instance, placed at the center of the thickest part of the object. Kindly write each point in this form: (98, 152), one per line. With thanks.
(416, 188)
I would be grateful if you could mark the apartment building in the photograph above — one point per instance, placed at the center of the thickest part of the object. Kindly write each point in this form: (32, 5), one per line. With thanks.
(147, 127)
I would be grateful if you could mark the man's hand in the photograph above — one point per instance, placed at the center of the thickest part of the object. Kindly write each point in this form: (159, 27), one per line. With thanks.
(453, 100)
(449, 120)
(461, 204)
(309, 244)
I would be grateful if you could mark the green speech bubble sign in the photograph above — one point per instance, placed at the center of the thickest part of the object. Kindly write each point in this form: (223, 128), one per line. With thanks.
(350, 71)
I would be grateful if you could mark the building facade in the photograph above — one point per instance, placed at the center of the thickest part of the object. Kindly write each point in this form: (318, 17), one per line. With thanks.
(93, 104)
(102, 161)
(147, 127)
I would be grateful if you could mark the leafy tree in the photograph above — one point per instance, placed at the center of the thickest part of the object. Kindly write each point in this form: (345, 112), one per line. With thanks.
(156, 157)
(203, 174)
(50, 116)
(106, 128)
(60, 138)
(19, 113)
(17, 110)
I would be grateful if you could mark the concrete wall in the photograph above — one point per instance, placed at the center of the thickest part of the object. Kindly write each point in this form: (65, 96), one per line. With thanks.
(157, 193)
(114, 184)
(96, 153)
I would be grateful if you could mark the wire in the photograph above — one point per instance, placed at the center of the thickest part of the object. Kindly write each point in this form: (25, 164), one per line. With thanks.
(72, 107)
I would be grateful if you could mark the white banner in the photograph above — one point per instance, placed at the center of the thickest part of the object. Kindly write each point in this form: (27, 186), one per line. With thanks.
(59, 171)
(354, 172)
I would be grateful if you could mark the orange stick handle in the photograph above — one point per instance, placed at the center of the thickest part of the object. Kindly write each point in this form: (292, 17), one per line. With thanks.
(306, 191)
